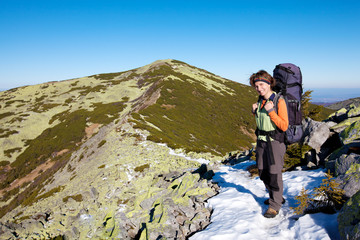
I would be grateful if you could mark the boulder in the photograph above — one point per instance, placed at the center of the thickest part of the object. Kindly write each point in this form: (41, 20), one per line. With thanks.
(204, 172)
(347, 170)
(238, 157)
(353, 147)
(344, 163)
(339, 115)
(332, 144)
(315, 133)
(349, 218)
(344, 124)
(351, 133)
(354, 112)
(174, 207)
(346, 149)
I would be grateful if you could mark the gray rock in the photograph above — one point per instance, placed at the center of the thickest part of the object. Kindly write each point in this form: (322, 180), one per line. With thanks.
(315, 133)
(346, 149)
(351, 133)
(343, 163)
(347, 169)
(354, 112)
(349, 218)
(349, 183)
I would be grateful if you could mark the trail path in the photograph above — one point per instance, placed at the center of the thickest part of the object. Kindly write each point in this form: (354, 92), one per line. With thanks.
(239, 207)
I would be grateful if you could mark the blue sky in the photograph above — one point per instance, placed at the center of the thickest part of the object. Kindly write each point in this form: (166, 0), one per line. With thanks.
(55, 40)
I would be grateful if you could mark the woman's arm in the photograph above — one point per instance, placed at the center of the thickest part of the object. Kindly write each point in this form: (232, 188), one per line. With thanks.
(281, 118)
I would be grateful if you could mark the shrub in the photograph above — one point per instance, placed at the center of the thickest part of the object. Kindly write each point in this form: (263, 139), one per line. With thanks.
(35, 197)
(315, 112)
(328, 198)
(141, 168)
(4, 163)
(6, 114)
(189, 123)
(294, 155)
(101, 143)
(77, 198)
(4, 133)
(9, 152)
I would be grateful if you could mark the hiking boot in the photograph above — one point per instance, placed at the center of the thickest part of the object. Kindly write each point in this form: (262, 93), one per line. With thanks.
(270, 213)
(267, 201)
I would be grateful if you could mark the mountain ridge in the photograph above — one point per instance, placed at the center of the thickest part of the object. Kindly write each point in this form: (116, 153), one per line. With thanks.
(78, 144)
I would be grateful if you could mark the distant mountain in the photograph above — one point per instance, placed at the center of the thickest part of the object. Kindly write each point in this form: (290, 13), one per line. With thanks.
(345, 104)
(325, 104)
(87, 147)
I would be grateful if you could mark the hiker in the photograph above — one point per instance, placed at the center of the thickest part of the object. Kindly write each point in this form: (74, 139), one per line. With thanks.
(270, 149)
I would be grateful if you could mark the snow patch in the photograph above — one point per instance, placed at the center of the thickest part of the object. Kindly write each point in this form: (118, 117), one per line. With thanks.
(239, 207)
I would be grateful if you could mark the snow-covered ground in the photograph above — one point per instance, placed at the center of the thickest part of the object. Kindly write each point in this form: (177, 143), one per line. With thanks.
(239, 207)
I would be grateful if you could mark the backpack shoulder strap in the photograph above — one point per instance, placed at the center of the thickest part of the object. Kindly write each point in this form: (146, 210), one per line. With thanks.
(276, 101)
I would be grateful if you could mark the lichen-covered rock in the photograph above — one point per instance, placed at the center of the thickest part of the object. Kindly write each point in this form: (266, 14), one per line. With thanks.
(344, 163)
(347, 169)
(175, 208)
(344, 124)
(351, 133)
(339, 115)
(117, 192)
(354, 112)
(349, 218)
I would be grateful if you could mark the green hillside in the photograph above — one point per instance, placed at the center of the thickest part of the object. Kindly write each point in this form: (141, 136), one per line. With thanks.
(192, 116)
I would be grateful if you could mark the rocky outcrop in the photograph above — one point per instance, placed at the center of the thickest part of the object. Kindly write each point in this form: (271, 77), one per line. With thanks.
(238, 157)
(347, 170)
(349, 218)
(173, 208)
(336, 143)
(315, 133)
(125, 191)
(321, 139)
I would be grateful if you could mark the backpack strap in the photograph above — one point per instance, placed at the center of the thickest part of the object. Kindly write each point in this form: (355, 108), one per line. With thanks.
(276, 101)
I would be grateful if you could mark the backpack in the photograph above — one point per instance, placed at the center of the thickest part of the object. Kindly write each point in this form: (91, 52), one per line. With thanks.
(289, 87)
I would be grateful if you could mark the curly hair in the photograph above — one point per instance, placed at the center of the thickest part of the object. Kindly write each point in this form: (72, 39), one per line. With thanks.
(262, 74)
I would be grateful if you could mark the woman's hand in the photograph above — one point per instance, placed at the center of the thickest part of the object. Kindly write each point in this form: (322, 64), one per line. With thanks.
(269, 105)
(254, 107)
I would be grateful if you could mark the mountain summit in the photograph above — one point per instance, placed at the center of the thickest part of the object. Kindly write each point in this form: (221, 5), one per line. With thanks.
(84, 150)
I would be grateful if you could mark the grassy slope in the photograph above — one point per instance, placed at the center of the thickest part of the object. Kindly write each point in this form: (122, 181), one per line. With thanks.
(207, 115)
(323, 114)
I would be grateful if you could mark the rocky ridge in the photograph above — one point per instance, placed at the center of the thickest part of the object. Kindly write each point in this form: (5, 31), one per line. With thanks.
(82, 158)
(123, 191)
(345, 104)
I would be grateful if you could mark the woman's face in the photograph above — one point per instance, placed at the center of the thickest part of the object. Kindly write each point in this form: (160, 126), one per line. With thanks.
(262, 88)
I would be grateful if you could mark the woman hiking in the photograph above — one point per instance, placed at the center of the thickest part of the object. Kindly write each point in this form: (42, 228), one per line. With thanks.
(270, 149)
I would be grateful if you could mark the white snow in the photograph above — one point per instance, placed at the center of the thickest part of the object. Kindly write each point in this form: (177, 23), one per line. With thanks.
(200, 160)
(239, 207)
